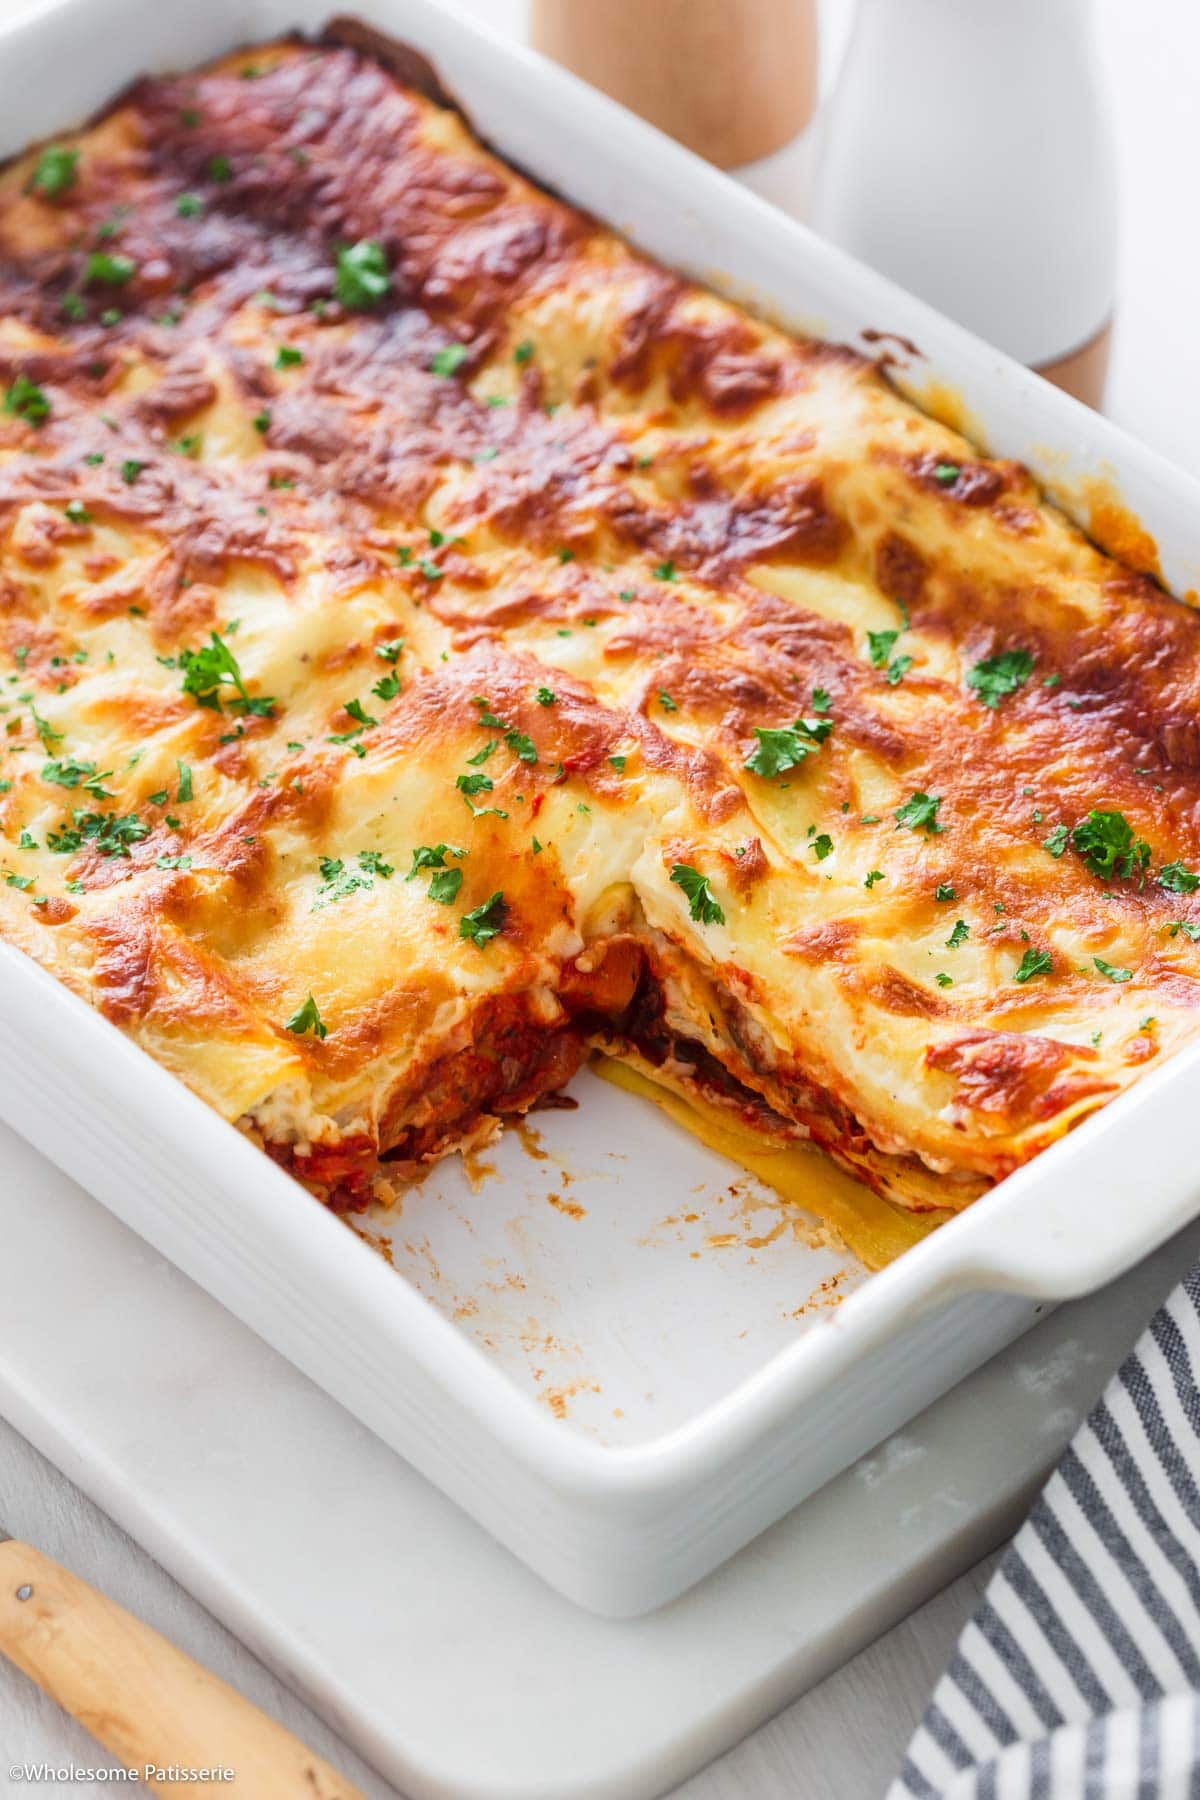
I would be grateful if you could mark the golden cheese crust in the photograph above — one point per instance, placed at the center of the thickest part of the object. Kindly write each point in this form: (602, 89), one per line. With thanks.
(434, 640)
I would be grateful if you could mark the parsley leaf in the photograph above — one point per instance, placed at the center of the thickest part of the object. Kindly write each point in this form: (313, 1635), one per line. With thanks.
(444, 885)
(307, 1018)
(821, 700)
(431, 856)
(999, 675)
(214, 666)
(184, 791)
(68, 773)
(390, 652)
(387, 687)
(372, 863)
(484, 922)
(358, 714)
(920, 813)
(474, 784)
(522, 747)
(523, 352)
(786, 747)
(822, 846)
(1177, 879)
(1107, 845)
(288, 357)
(872, 876)
(545, 696)
(57, 170)
(1056, 843)
(703, 906)
(449, 359)
(666, 702)
(111, 270)
(337, 881)
(1034, 962)
(664, 571)
(959, 935)
(1113, 973)
(880, 645)
(27, 401)
(944, 891)
(187, 206)
(362, 275)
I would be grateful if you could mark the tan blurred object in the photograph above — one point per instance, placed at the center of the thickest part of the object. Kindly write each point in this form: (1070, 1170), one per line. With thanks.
(732, 79)
(1085, 371)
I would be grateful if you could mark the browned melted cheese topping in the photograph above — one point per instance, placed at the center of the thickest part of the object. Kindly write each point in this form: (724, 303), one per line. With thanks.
(513, 543)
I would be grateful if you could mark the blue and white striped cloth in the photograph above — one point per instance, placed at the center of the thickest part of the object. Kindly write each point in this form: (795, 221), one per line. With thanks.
(1080, 1673)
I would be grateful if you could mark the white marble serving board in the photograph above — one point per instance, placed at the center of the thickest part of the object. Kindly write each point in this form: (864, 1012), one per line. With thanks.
(451, 1669)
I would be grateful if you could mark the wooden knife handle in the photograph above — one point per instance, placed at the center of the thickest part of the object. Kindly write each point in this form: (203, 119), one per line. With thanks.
(141, 1697)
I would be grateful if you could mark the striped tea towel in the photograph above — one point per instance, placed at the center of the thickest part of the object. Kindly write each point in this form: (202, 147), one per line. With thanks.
(1080, 1673)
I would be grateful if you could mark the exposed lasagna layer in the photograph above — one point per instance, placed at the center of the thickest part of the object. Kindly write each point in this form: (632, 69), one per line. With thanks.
(435, 640)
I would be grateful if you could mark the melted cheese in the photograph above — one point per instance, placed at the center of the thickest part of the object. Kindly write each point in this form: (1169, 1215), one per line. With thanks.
(516, 551)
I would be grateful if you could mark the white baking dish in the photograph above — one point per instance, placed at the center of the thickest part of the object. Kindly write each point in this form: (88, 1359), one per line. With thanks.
(697, 1413)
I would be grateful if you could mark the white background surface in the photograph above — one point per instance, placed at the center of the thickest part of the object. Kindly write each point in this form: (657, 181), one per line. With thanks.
(841, 1741)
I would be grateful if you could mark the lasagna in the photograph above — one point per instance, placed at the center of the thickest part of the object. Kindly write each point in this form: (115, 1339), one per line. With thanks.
(438, 643)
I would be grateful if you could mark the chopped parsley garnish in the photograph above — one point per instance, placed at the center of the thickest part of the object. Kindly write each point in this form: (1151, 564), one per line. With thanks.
(1057, 842)
(28, 401)
(390, 652)
(920, 813)
(522, 747)
(73, 306)
(338, 881)
(822, 700)
(131, 468)
(1177, 879)
(362, 275)
(387, 687)
(307, 1018)
(77, 512)
(1107, 845)
(872, 876)
(68, 773)
(481, 756)
(24, 882)
(944, 891)
(523, 352)
(219, 168)
(566, 555)
(1189, 931)
(112, 270)
(959, 935)
(358, 714)
(618, 763)
(484, 922)
(173, 862)
(444, 885)
(943, 980)
(664, 571)
(188, 205)
(1034, 962)
(947, 473)
(46, 732)
(999, 675)
(431, 856)
(822, 846)
(208, 670)
(430, 570)
(57, 170)
(787, 746)
(545, 696)
(449, 359)
(666, 702)
(262, 421)
(880, 645)
(474, 784)
(702, 906)
(897, 669)
(288, 357)
(183, 792)
(110, 833)
(1108, 969)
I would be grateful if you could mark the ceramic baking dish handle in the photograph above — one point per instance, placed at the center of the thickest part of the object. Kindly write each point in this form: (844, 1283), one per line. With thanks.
(1093, 1205)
